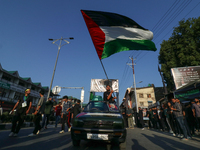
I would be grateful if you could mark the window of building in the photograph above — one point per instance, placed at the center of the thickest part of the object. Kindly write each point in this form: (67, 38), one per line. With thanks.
(141, 103)
(3, 94)
(141, 96)
(17, 95)
(22, 84)
(150, 103)
(148, 95)
(6, 78)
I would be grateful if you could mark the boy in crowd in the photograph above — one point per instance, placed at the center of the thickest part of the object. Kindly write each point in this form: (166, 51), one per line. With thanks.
(58, 110)
(66, 106)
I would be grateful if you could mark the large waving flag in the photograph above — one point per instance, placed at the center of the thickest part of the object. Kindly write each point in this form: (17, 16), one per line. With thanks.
(112, 33)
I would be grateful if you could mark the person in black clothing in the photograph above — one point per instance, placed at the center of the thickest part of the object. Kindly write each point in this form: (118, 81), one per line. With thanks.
(185, 116)
(123, 112)
(107, 96)
(23, 106)
(162, 119)
(190, 118)
(140, 115)
(135, 116)
(155, 118)
(76, 110)
(150, 115)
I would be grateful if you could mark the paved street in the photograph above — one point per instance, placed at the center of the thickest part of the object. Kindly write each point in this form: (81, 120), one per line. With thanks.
(136, 139)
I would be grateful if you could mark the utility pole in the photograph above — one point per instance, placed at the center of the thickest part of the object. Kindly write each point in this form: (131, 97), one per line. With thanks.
(134, 84)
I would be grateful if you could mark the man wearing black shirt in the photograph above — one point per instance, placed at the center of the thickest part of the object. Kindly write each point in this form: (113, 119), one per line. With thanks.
(76, 110)
(23, 106)
(107, 96)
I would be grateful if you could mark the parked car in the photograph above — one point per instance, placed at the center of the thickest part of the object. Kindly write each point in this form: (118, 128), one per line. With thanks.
(98, 121)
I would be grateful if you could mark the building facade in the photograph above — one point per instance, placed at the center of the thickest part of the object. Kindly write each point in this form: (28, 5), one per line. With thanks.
(145, 96)
(12, 86)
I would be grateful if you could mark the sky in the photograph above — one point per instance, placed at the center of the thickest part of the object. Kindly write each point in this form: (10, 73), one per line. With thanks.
(26, 26)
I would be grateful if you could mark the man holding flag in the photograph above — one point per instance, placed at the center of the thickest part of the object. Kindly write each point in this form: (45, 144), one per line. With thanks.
(107, 96)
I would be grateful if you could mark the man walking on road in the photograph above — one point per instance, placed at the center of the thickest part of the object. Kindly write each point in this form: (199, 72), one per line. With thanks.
(47, 113)
(23, 106)
(64, 116)
(38, 113)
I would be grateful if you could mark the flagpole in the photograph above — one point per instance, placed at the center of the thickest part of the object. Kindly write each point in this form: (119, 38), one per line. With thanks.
(107, 78)
(104, 69)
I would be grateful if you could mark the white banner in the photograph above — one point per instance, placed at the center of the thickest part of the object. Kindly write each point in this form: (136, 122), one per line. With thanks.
(99, 85)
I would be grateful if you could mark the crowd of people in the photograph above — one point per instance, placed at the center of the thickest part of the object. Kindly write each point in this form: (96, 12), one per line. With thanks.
(63, 111)
(179, 119)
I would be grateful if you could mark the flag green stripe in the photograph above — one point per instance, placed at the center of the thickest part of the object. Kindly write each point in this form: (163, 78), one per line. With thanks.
(119, 45)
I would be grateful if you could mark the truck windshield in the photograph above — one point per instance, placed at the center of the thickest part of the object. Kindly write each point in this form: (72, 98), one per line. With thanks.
(100, 107)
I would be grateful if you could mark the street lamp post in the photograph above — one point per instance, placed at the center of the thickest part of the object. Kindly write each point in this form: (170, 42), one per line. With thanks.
(59, 46)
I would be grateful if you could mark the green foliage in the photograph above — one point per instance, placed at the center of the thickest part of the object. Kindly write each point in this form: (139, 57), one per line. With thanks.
(181, 50)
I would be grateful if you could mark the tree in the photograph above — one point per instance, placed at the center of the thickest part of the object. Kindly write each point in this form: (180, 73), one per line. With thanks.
(181, 50)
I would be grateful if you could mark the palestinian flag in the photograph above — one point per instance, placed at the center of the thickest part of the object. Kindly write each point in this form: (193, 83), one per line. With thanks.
(112, 33)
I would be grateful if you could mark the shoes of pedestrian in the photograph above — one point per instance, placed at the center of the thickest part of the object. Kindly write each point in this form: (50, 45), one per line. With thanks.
(170, 131)
(11, 134)
(15, 135)
(38, 132)
(62, 131)
(189, 138)
(184, 139)
(32, 134)
(42, 130)
(142, 128)
(181, 136)
(69, 129)
(174, 134)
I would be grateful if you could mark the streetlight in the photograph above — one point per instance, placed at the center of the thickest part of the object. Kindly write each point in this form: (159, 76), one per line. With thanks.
(136, 83)
(59, 46)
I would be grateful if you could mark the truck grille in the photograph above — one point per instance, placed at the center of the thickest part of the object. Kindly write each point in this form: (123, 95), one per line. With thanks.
(98, 123)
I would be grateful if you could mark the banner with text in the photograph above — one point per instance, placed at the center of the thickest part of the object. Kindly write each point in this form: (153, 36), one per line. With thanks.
(185, 75)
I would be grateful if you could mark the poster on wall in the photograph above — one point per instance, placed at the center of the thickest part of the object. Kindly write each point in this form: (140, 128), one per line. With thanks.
(185, 75)
(99, 85)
